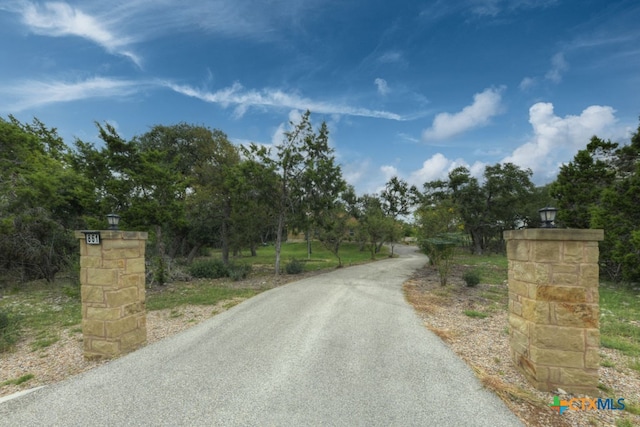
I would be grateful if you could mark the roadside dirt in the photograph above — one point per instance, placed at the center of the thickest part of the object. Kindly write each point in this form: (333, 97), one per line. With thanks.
(482, 342)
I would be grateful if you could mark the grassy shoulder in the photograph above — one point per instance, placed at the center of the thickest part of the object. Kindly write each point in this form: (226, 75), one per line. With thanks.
(619, 306)
(320, 257)
(41, 311)
(619, 327)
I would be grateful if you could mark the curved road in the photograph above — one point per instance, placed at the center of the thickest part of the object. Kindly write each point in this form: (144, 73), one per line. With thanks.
(338, 349)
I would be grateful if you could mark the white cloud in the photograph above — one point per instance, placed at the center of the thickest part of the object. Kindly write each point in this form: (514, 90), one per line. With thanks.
(32, 94)
(486, 105)
(527, 83)
(558, 66)
(383, 87)
(434, 168)
(439, 166)
(362, 175)
(243, 99)
(58, 19)
(486, 7)
(555, 139)
(388, 172)
(390, 57)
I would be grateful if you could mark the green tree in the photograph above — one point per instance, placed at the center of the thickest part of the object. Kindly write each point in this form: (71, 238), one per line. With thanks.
(617, 212)
(253, 216)
(333, 229)
(485, 209)
(579, 184)
(171, 181)
(600, 188)
(41, 197)
(374, 226)
(397, 198)
(307, 175)
(439, 235)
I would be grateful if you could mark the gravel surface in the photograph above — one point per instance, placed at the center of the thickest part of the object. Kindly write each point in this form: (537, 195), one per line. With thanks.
(483, 344)
(65, 357)
(343, 348)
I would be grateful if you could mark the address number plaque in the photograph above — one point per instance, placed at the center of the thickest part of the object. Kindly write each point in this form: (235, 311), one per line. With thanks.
(92, 237)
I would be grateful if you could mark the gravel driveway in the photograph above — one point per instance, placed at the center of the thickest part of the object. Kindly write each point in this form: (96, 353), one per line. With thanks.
(342, 348)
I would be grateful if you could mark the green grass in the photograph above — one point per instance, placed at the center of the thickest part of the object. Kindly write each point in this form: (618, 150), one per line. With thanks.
(632, 407)
(43, 309)
(491, 268)
(619, 307)
(475, 314)
(17, 381)
(320, 258)
(620, 320)
(196, 293)
(623, 422)
(606, 363)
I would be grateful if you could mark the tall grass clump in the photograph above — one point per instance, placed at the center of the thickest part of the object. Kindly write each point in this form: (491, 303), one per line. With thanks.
(294, 267)
(238, 271)
(471, 278)
(9, 331)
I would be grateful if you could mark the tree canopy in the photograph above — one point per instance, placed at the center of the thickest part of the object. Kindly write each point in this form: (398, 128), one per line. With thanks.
(191, 188)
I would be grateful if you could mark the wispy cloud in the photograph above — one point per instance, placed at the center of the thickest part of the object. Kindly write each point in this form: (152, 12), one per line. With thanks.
(116, 26)
(527, 83)
(58, 19)
(242, 99)
(480, 9)
(390, 57)
(558, 66)
(486, 105)
(383, 87)
(33, 94)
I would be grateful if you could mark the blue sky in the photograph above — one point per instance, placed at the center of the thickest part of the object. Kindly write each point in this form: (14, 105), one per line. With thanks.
(408, 88)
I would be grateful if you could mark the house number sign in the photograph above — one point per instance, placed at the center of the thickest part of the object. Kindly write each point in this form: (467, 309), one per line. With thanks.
(92, 237)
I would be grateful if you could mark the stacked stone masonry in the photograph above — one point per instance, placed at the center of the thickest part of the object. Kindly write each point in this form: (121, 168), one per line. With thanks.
(112, 277)
(554, 307)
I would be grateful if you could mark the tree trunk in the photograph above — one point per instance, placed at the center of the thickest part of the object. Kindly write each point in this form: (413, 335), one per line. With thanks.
(476, 239)
(253, 249)
(225, 232)
(161, 273)
(193, 253)
(279, 241)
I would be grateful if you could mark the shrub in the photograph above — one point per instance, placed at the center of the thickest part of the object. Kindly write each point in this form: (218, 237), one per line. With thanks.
(239, 271)
(471, 278)
(294, 267)
(209, 269)
(180, 273)
(440, 251)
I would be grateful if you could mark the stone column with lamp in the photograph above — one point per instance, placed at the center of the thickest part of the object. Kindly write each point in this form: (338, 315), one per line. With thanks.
(112, 277)
(554, 305)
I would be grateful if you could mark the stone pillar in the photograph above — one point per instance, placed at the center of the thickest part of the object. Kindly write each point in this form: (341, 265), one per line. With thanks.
(554, 307)
(112, 277)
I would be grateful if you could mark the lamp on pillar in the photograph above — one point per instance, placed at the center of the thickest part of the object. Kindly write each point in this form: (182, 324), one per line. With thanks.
(113, 220)
(548, 216)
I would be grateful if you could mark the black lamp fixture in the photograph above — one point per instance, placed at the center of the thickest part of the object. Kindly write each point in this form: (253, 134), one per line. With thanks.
(113, 220)
(548, 216)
